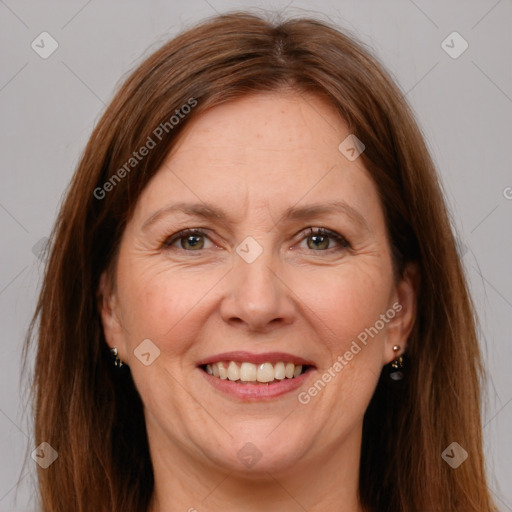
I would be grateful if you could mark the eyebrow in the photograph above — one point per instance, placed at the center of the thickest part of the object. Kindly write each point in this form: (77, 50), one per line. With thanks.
(210, 212)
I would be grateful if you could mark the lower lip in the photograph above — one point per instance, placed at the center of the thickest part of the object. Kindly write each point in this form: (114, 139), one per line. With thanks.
(257, 391)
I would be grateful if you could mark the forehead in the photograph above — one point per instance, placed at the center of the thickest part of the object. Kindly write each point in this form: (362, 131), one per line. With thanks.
(266, 149)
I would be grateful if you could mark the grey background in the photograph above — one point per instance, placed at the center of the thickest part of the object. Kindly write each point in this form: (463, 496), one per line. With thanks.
(48, 108)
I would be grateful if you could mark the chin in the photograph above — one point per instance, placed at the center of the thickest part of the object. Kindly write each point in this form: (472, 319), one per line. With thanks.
(254, 456)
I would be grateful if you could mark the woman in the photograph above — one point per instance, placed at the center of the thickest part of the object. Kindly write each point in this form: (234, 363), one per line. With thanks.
(253, 299)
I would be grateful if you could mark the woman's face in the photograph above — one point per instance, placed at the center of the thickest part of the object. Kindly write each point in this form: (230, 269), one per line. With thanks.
(258, 177)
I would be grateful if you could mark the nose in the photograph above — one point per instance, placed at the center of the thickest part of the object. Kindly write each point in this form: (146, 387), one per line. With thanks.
(257, 297)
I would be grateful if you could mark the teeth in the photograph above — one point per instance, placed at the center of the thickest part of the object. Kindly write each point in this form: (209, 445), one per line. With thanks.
(223, 372)
(249, 372)
(233, 371)
(289, 369)
(279, 373)
(265, 373)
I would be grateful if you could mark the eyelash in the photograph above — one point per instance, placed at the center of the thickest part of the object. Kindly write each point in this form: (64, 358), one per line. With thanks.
(342, 241)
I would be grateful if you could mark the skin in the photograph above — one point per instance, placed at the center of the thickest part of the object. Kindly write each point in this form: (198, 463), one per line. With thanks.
(254, 158)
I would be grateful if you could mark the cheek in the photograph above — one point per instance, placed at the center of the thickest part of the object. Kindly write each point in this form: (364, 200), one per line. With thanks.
(165, 305)
(353, 390)
(347, 300)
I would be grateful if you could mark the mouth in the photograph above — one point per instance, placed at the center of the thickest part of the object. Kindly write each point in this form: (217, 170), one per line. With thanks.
(249, 373)
(256, 376)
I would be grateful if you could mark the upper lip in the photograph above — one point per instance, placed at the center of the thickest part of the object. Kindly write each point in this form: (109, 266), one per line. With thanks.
(265, 357)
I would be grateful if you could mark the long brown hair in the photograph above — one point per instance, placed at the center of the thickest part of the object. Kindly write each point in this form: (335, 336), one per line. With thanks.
(92, 415)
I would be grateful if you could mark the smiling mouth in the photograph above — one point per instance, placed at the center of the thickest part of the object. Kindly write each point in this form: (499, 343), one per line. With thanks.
(250, 373)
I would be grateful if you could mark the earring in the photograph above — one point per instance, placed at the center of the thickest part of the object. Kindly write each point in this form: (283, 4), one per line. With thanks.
(117, 362)
(397, 365)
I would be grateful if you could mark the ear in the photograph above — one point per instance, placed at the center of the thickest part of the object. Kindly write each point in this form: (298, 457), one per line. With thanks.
(107, 306)
(404, 304)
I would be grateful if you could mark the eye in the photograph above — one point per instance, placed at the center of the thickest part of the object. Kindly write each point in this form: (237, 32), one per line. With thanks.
(317, 239)
(187, 239)
(321, 240)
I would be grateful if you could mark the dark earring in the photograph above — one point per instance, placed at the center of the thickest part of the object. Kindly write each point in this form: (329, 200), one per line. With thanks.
(397, 366)
(117, 362)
